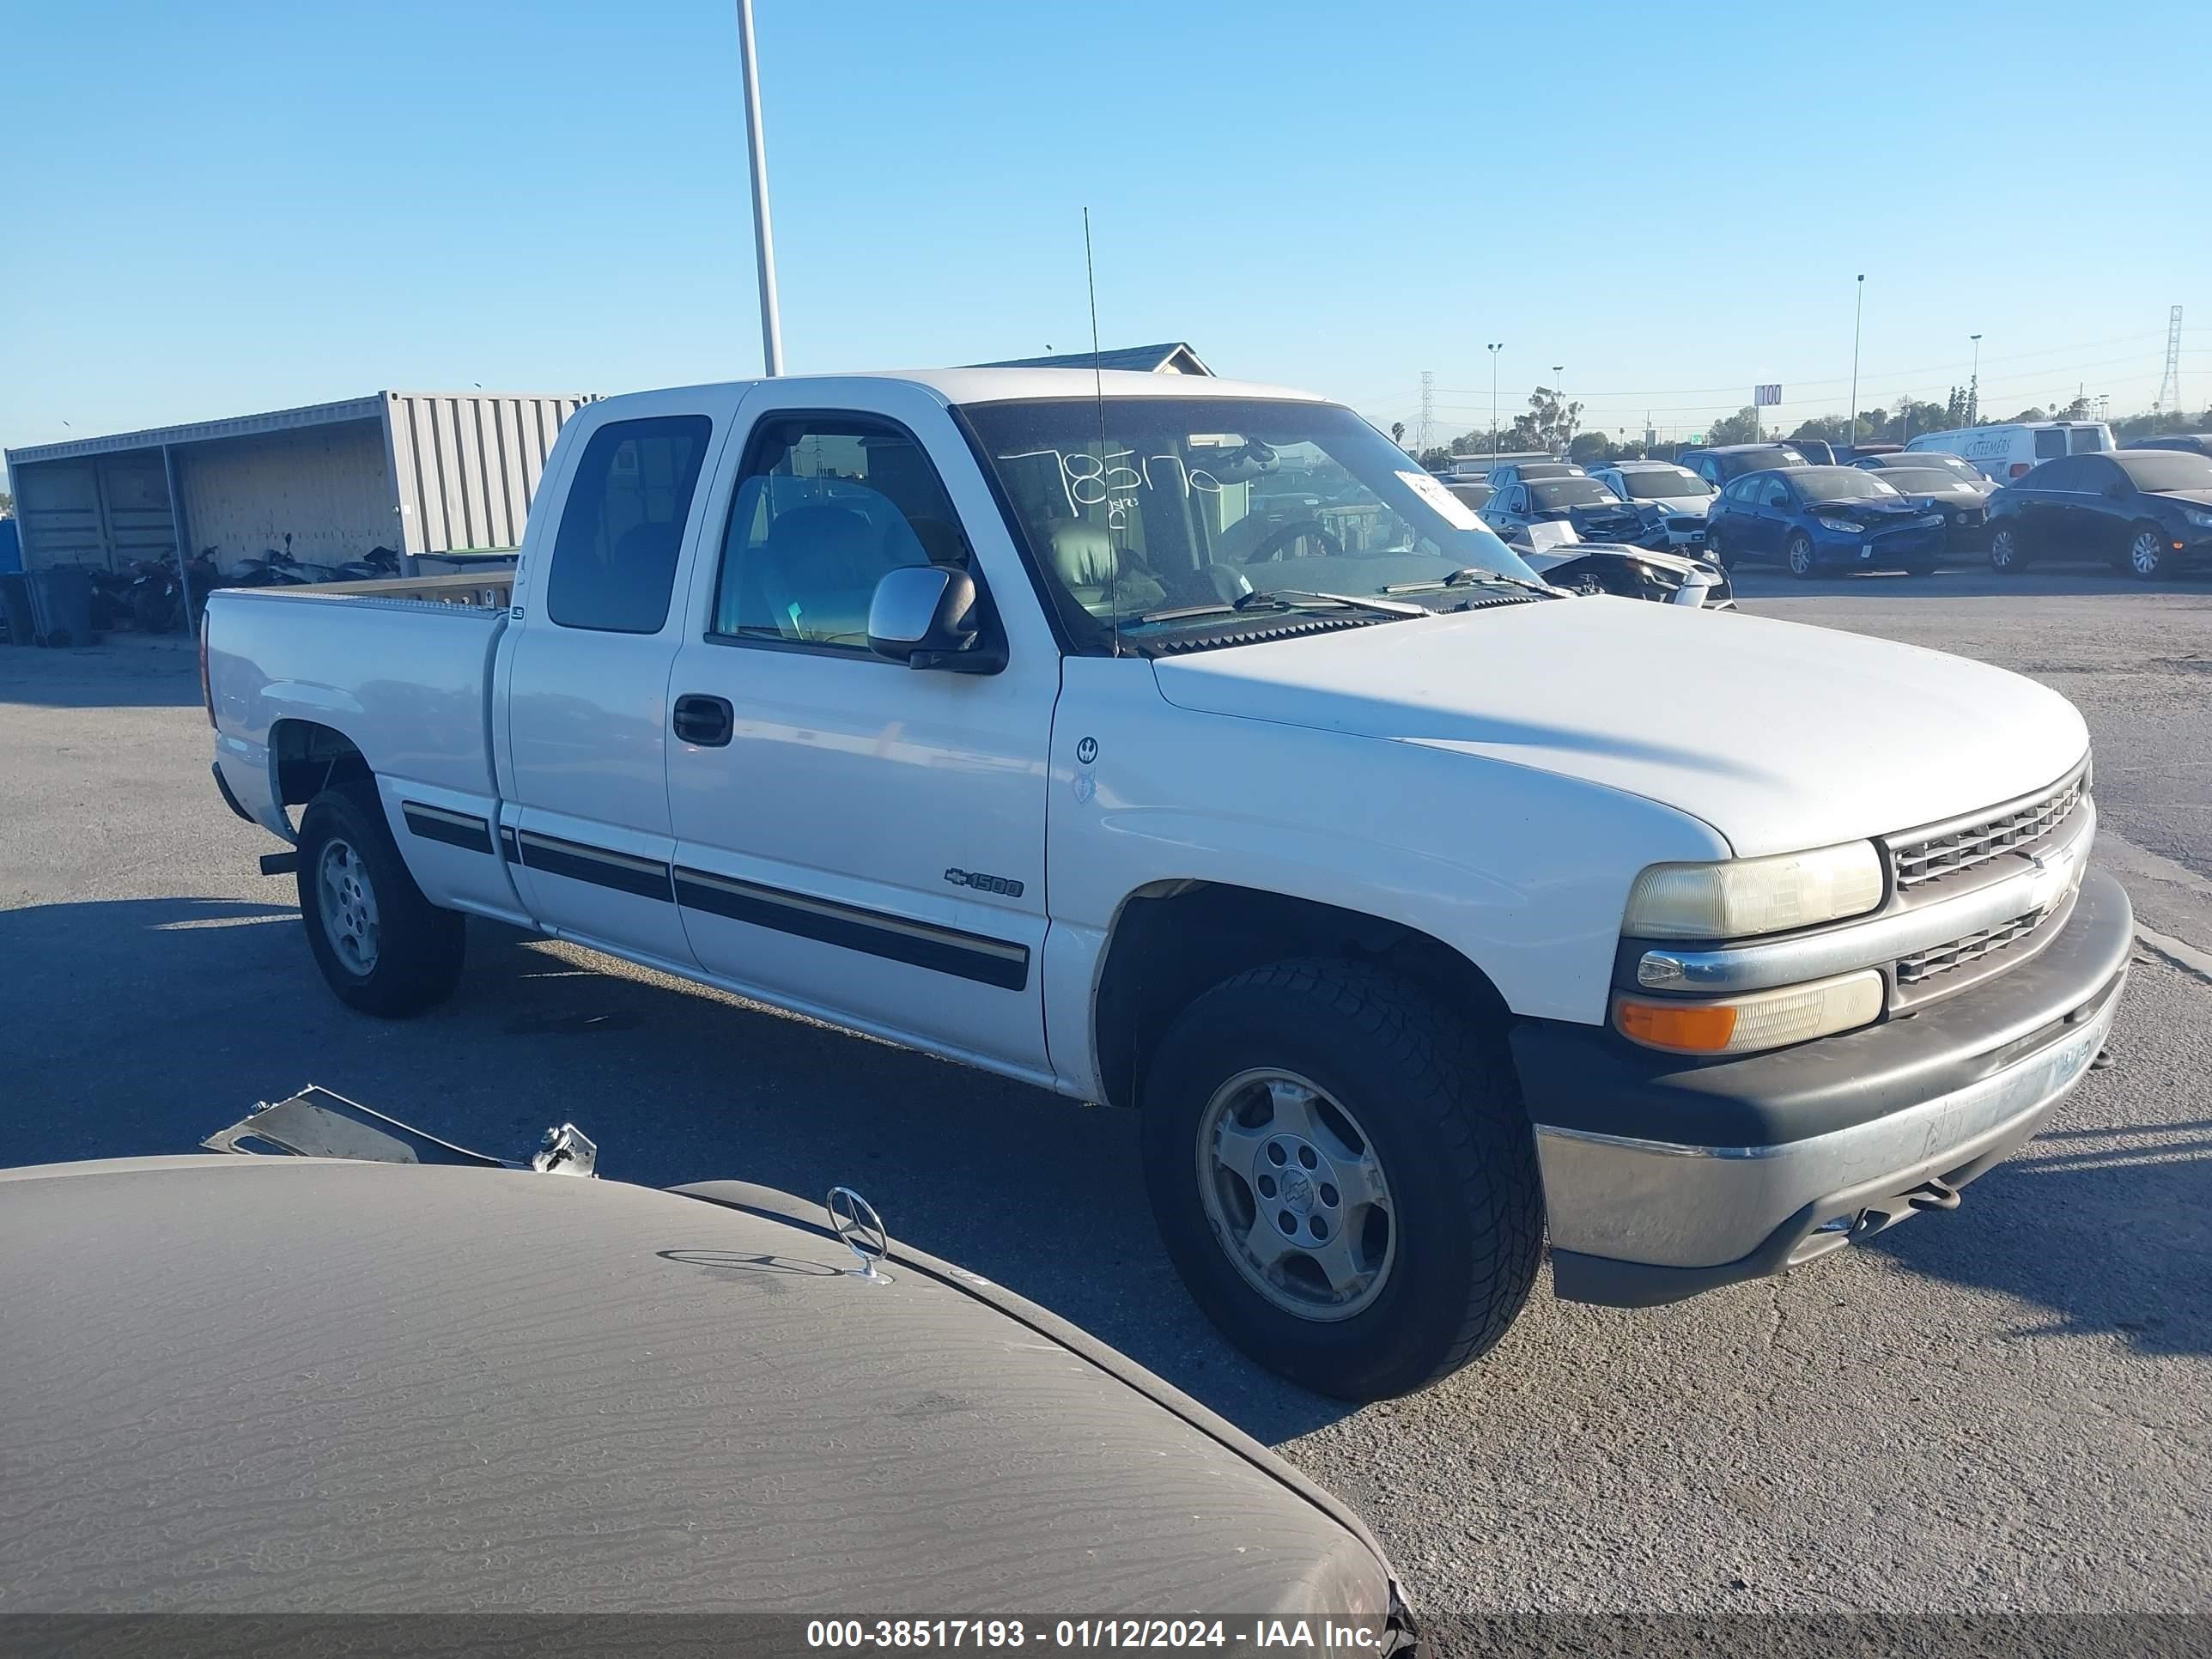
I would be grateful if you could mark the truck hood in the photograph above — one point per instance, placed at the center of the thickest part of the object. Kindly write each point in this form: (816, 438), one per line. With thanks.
(1780, 736)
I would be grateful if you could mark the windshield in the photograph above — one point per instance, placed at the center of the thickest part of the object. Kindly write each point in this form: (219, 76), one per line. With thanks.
(1838, 483)
(1570, 492)
(1910, 478)
(1192, 503)
(2166, 470)
(1657, 485)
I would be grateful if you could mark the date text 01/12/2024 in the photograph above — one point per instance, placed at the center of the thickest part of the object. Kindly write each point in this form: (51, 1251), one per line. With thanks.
(1288, 1635)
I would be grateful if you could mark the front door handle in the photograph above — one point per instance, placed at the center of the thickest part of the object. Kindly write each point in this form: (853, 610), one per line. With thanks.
(704, 720)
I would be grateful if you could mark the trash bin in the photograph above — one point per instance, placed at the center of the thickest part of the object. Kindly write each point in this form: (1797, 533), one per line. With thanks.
(15, 611)
(61, 605)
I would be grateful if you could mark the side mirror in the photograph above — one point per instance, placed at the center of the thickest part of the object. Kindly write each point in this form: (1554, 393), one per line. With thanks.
(930, 616)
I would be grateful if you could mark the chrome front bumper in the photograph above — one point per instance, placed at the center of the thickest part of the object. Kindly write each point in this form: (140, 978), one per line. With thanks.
(1798, 1152)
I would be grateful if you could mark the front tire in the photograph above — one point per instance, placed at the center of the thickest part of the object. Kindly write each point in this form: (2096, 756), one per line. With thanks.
(2146, 553)
(1343, 1175)
(1799, 553)
(382, 947)
(2007, 556)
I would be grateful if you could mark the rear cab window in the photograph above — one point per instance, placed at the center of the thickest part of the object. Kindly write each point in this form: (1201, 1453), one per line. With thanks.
(621, 527)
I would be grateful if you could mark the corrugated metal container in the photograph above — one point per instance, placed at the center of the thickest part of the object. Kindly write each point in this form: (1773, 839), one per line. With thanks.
(421, 472)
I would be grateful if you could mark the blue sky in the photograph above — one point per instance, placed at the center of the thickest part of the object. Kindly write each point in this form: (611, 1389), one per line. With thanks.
(228, 208)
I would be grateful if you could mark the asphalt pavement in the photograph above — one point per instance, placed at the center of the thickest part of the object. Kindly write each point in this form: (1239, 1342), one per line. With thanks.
(2003, 1408)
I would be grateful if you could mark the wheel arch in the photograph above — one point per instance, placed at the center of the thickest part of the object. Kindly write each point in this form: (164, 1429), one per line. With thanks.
(306, 756)
(1171, 940)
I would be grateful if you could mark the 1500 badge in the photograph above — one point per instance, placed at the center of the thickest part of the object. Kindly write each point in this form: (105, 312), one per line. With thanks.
(983, 884)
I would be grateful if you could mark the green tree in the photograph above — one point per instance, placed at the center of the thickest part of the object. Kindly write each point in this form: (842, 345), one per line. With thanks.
(7, 505)
(1591, 449)
(1740, 428)
(1433, 459)
(1398, 432)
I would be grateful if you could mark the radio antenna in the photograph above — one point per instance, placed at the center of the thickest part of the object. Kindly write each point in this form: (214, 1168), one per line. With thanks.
(1098, 392)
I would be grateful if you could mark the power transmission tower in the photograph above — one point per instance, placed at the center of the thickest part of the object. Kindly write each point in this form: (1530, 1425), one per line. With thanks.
(1428, 410)
(2169, 387)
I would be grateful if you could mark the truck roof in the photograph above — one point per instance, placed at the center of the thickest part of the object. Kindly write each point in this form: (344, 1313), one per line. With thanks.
(998, 385)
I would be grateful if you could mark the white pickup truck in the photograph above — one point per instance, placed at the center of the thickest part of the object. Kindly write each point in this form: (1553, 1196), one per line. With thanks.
(1176, 743)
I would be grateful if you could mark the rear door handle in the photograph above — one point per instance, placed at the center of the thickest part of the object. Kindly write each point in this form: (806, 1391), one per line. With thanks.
(704, 720)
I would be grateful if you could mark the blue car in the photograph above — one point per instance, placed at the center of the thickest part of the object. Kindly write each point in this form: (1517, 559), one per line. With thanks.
(1816, 519)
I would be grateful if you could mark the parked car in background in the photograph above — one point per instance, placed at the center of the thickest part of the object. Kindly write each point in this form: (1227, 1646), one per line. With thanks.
(2010, 450)
(1474, 495)
(1595, 514)
(1673, 500)
(1630, 573)
(1963, 502)
(1851, 455)
(590, 1372)
(1922, 459)
(1517, 472)
(1717, 466)
(1813, 519)
(2146, 511)
(1817, 451)
(2197, 443)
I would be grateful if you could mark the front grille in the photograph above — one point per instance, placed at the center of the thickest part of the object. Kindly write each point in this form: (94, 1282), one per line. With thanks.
(1931, 855)
(1942, 958)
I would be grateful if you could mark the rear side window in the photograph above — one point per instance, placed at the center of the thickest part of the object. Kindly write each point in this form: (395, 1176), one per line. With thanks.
(614, 560)
(2048, 442)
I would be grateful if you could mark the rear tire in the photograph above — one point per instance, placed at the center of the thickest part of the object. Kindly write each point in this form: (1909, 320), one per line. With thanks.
(382, 947)
(1320, 1055)
(2146, 557)
(1798, 553)
(2007, 556)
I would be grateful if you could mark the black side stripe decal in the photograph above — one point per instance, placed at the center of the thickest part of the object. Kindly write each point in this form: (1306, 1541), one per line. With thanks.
(509, 847)
(620, 870)
(454, 828)
(946, 951)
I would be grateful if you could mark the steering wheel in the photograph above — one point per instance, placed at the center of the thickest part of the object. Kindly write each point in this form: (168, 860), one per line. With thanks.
(1272, 545)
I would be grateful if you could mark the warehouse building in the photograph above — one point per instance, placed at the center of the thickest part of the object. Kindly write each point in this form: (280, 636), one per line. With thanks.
(423, 473)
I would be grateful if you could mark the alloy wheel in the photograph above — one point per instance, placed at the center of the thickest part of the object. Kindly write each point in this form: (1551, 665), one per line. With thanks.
(347, 900)
(2145, 553)
(1296, 1195)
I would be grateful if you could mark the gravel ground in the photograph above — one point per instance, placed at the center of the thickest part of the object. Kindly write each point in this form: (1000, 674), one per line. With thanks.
(2005, 1408)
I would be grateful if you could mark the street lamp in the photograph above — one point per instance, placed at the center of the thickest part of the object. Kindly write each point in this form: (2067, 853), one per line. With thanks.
(1559, 393)
(763, 244)
(1851, 415)
(1493, 349)
(1974, 383)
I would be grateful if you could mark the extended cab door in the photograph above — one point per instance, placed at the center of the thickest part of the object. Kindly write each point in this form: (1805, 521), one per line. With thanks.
(855, 837)
(585, 680)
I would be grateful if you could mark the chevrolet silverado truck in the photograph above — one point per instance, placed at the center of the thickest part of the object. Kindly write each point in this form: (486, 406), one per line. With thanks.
(1179, 744)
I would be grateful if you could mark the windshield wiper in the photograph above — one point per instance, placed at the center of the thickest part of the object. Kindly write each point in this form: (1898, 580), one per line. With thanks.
(1466, 576)
(1294, 599)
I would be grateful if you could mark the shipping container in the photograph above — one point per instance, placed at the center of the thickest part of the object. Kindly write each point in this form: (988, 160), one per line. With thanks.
(423, 473)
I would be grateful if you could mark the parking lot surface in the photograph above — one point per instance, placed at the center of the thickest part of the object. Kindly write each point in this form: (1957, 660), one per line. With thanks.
(2007, 1407)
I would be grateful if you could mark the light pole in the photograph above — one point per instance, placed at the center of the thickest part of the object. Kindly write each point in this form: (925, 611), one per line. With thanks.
(1974, 383)
(1493, 349)
(1851, 415)
(763, 242)
(1559, 396)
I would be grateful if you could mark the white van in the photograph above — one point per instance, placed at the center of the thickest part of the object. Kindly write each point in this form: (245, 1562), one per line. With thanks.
(2009, 451)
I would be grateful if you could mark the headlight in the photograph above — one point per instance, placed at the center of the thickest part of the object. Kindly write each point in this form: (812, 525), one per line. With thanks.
(2196, 517)
(1742, 1025)
(1737, 897)
(1843, 527)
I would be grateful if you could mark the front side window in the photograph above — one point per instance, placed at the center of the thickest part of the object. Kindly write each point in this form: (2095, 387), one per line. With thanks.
(1777, 493)
(828, 504)
(614, 558)
(1136, 509)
